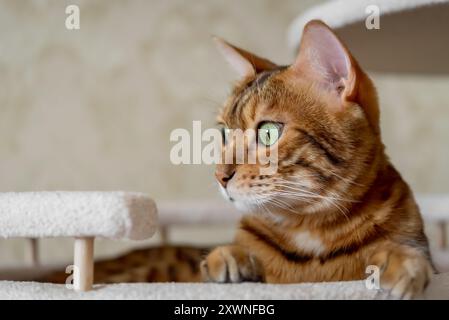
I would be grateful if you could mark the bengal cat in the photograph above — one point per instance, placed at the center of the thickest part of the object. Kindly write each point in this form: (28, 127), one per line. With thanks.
(335, 205)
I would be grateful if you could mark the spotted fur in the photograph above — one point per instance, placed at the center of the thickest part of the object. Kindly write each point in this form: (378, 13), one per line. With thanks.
(155, 264)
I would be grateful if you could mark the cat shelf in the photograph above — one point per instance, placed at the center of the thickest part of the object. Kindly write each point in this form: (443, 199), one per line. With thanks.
(79, 215)
(390, 45)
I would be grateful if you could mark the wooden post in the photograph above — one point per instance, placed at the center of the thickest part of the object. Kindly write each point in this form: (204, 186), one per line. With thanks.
(164, 235)
(33, 252)
(83, 276)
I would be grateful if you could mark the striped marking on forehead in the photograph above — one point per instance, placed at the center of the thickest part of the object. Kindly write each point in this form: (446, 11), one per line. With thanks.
(241, 99)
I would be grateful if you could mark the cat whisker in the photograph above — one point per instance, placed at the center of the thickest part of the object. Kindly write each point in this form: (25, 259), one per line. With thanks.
(349, 181)
(259, 204)
(342, 209)
(294, 188)
(297, 187)
(298, 196)
(329, 200)
(281, 204)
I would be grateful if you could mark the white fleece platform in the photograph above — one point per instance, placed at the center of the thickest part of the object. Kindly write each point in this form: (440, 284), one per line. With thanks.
(114, 215)
(438, 289)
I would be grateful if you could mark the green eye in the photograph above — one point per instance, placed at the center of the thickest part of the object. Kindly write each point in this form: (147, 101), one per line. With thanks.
(269, 133)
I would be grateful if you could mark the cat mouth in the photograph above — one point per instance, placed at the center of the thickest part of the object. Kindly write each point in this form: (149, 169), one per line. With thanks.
(225, 193)
(244, 202)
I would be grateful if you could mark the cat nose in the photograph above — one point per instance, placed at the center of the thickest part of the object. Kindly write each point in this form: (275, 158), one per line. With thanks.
(224, 177)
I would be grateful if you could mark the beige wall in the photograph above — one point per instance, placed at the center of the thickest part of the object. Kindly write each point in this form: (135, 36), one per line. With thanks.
(92, 109)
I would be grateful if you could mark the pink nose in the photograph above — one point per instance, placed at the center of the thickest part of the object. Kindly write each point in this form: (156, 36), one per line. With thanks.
(224, 177)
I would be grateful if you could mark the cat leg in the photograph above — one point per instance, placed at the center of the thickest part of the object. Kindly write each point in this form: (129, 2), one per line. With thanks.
(232, 264)
(404, 271)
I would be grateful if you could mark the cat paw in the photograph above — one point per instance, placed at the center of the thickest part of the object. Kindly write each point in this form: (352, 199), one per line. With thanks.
(231, 264)
(404, 274)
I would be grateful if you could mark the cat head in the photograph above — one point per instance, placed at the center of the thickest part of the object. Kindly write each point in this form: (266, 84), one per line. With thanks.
(321, 113)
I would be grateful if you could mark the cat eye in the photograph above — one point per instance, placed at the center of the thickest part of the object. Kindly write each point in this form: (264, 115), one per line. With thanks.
(269, 133)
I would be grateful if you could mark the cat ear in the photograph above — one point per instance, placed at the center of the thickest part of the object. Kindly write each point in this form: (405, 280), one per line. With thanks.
(325, 58)
(245, 63)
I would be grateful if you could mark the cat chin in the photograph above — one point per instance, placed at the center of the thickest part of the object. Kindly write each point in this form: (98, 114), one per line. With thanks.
(244, 206)
(223, 192)
(248, 208)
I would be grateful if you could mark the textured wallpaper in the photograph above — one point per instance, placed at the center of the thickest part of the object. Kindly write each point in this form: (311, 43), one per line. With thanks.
(92, 109)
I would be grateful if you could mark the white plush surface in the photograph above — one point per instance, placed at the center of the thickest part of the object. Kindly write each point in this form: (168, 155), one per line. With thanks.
(115, 215)
(438, 289)
(338, 13)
